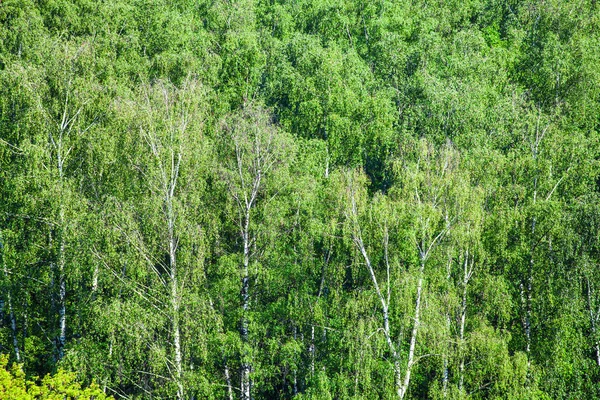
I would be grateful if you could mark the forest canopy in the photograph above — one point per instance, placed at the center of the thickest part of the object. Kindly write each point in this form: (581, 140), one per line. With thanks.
(309, 199)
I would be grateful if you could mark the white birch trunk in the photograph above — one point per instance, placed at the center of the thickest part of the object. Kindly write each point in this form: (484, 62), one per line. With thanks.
(445, 372)
(312, 347)
(176, 332)
(467, 272)
(62, 307)
(64, 128)
(249, 203)
(11, 314)
(384, 306)
(174, 283)
(228, 381)
(13, 326)
(594, 315)
(95, 277)
(62, 286)
(245, 297)
(295, 370)
(311, 350)
(413, 337)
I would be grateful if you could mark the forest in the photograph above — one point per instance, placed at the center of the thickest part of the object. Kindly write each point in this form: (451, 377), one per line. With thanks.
(299, 199)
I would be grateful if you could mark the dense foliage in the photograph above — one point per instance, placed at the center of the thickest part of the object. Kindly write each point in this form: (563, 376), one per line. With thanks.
(62, 386)
(312, 199)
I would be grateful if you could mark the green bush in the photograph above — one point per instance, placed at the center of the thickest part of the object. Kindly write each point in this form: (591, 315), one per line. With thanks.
(61, 386)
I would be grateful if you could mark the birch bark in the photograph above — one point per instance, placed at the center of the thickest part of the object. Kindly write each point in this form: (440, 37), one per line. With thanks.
(11, 314)
(468, 267)
(594, 314)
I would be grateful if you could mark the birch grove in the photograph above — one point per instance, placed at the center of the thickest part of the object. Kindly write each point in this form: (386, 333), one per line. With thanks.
(299, 199)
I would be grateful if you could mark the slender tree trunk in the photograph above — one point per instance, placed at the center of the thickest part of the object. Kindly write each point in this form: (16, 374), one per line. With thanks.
(327, 161)
(177, 345)
(174, 287)
(255, 157)
(463, 317)
(176, 334)
(57, 144)
(593, 321)
(445, 373)
(528, 310)
(13, 325)
(312, 347)
(62, 285)
(25, 325)
(228, 381)
(62, 307)
(530, 284)
(526, 298)
(295, 370)
(95, 277)
(384, 308)
(311, 350)
(11, 314)
(245, 297)
(61, 262)
(413, 337)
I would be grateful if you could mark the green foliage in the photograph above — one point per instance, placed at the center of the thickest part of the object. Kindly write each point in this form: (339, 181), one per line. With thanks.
(173, 172)
(62, 385)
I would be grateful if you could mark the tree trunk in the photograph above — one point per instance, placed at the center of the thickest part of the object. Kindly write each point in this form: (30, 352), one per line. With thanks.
(95, 276)
(176, 336)
(62, 285)
(62, 310)
(174, 288)
(526, 298)
(295, 370)
(228, 381)
(445, 372)
(11, 314)
(312, 347)
(311, 350)
(593, 321)
(384, 307)
(413, 337)
(13, 326)
(245, 297)
(463, 317)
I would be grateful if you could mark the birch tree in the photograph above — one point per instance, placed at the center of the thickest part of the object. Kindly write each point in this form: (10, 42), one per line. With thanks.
(427, 188)
(539, 173)
(466, 234)
(254, 150)
(384, 296)
(66, 103)
(168, 157)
